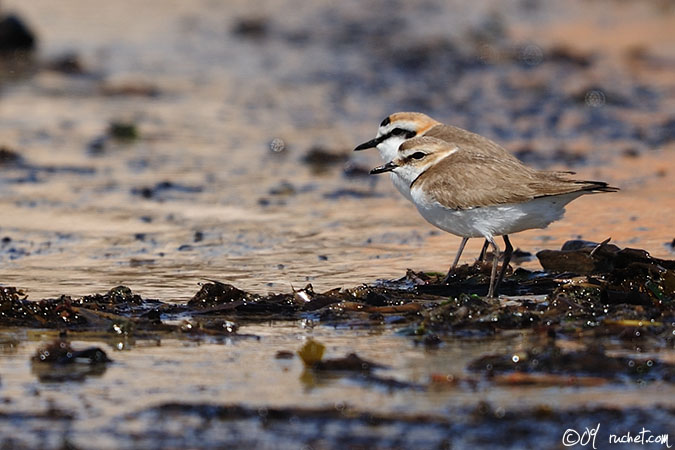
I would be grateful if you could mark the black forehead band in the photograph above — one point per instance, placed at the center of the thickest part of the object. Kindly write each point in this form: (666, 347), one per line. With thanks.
(385, 122)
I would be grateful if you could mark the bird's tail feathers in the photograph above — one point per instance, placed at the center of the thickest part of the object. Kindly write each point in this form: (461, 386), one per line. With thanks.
(596, 186)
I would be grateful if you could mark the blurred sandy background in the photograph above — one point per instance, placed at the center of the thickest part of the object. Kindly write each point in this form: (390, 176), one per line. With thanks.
(242, 116)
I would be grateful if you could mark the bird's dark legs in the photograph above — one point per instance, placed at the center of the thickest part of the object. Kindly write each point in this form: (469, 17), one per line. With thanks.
(508, 251)
(454, 263)
(495, 261)
(459, 252)
(481, 257)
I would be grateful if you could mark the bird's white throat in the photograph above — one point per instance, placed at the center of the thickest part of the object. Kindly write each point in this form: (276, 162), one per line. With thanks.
(389, 148)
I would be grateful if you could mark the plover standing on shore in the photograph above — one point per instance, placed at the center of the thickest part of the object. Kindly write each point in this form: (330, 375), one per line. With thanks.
(470, 194)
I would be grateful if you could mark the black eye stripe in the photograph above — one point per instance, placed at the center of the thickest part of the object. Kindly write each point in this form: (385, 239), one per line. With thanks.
(403, 132)
(407, 134)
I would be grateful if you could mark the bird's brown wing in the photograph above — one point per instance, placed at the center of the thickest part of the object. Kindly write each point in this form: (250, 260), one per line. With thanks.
(464, 180)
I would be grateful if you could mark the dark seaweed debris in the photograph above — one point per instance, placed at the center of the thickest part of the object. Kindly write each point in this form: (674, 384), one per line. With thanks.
(318, 370)
(251, 27)
(8, 156)
(91, 311)
(15, 36)
(123, 131)
(604, 290)
(312, 353)
(585, 258)
(68, 63)
(19, 170)
(592, 361)
(60, 352)
(118, 132)
(165, 190)
(59, 361)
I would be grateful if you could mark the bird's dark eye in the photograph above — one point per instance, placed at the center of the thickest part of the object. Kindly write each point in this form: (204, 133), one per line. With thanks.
(385, 122)
(418, 155)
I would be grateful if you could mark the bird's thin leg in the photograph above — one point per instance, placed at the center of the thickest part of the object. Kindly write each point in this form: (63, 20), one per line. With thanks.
(508, 251)
(481, 257)
(495, 261)
(459, 252)
(454, 263)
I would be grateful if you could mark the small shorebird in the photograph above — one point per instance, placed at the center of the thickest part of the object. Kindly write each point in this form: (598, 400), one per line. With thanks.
(401, 126)
(473, 194)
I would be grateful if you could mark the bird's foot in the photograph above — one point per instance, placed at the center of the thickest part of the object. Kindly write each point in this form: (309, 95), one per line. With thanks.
(448, 277)
(466, 271)
(482, 266)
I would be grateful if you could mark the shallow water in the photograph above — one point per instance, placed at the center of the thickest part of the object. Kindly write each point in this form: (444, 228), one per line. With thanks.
(210, 87)
(246, 371)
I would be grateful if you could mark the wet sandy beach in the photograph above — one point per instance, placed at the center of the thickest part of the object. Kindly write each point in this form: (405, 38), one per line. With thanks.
(163, 144)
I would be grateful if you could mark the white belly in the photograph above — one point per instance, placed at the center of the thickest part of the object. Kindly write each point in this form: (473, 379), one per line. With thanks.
(495, 220)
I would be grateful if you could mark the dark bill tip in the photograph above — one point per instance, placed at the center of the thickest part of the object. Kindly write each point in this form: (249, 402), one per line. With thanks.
(385, 168)
(366, 145)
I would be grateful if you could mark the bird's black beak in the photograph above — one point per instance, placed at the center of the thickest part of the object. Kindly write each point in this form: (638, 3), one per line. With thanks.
(370, 144)
(385, 168)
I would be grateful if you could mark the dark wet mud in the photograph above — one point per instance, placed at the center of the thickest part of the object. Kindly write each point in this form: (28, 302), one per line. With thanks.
(345, 428)
(191, 255)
